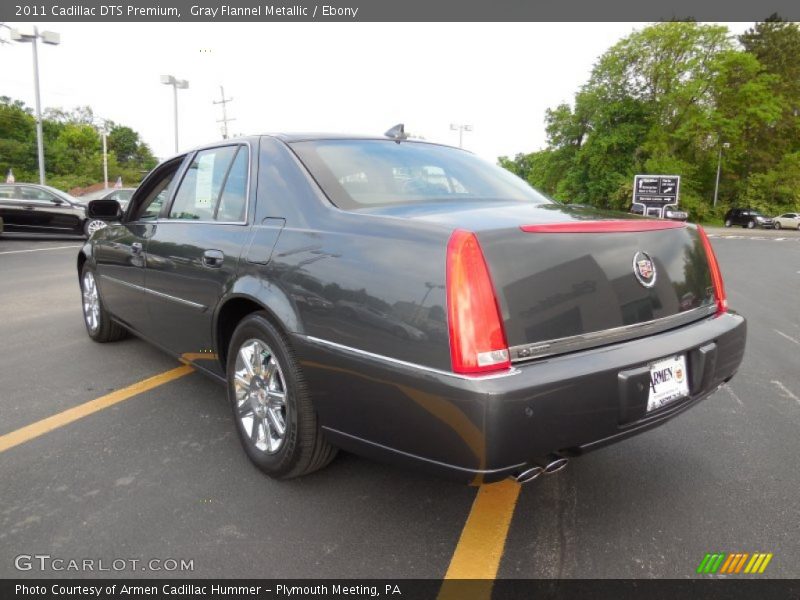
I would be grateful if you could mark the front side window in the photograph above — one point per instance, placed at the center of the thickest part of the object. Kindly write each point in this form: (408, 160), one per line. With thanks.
(150, 207)
(214, 186)
(29, 193)
(364, 173)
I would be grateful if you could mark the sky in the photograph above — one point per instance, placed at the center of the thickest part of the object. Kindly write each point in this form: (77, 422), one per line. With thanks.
(334, 77)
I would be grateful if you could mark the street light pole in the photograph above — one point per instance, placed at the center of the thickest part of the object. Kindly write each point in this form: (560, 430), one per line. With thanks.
(105, 158)
(176, 84)
(48, 37)
(719, 168)
(461, 128)
(39, 132)
(175, 106)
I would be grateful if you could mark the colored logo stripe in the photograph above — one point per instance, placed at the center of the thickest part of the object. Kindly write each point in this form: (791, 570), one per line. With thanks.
(724, 563)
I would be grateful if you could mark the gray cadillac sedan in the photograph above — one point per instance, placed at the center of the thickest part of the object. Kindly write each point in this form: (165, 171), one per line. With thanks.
(409, 302)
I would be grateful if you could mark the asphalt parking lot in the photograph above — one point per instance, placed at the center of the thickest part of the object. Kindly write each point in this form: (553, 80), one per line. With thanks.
(161, 474)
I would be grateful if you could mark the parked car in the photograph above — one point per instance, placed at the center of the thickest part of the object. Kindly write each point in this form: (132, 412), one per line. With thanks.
(31, 208)
(121, 195)
(747, 217)
(565, 331)
(787, 221)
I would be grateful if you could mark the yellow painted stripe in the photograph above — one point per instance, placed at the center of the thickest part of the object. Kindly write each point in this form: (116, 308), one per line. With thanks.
(749, 566)
(34, 430)
(741, 562)
(758, 563)
(767, 558)
(480, 547)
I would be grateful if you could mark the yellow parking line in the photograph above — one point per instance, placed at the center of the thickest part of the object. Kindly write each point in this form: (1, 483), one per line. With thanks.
(480, 547)
(34, 430)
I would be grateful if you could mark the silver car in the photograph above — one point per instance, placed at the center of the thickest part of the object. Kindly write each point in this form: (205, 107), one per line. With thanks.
(788, 221)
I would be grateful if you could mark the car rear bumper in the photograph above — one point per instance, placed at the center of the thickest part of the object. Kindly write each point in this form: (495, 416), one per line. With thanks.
(484, 429)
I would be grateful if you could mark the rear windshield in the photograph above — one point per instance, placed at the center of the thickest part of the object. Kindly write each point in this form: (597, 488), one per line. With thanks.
(365, 173)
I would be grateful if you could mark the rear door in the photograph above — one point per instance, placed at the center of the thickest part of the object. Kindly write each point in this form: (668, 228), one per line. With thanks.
(120, 249)
(12, 209)
(193, 254)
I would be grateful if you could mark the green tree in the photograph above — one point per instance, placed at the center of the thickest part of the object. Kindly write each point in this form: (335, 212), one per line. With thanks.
(17, 138)
(72, 146)
(664, 100)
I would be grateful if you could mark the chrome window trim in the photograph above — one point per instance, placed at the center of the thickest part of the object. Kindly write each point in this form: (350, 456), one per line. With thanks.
(584, 341)
(183, 171)
(195, 305)
(397, 361)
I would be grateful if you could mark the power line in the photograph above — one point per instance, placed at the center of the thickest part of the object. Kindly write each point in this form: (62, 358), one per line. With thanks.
(224, 120)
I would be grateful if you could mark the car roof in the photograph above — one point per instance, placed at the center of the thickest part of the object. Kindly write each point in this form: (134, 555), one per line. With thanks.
(289, 138)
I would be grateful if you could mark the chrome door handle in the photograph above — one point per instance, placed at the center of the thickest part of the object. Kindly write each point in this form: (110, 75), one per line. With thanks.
(213, 259)
(136, 248)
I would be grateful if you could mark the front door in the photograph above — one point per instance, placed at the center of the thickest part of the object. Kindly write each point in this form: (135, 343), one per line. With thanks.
(193, 254)
(120, 250)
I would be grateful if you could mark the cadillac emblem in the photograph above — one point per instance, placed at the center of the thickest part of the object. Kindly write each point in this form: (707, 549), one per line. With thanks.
(645, 269)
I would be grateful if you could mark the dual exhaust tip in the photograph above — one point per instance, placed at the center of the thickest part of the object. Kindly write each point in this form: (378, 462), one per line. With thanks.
(550, 465)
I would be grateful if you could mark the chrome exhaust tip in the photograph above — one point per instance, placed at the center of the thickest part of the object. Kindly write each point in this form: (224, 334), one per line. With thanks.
(529, 474)
(555, 463)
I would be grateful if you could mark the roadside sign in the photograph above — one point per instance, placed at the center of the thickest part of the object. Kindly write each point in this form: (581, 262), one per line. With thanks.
(655, 192)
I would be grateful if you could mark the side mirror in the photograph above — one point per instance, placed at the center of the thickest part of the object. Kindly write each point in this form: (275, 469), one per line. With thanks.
(57, 201)
(107, 210)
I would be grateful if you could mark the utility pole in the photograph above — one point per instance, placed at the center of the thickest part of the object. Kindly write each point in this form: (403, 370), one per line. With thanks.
(224, 120)
(725, 145)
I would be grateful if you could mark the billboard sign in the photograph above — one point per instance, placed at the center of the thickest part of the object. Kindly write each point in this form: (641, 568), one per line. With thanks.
(655, 192)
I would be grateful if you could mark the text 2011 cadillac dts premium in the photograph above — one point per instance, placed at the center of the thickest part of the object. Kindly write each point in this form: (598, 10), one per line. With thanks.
(409, 302)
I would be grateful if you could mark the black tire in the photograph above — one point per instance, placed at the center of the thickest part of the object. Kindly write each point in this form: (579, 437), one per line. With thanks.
(777, 225)
(728, 222)
(90, 226)
(302, 449)
(104, 329)
(750, 224)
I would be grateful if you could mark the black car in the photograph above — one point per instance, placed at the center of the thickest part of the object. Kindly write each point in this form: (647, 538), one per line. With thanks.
(747, 217)
(31, 208)
(410, 302)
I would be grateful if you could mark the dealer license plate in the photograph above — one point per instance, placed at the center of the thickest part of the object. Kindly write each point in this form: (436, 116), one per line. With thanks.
(668, 382)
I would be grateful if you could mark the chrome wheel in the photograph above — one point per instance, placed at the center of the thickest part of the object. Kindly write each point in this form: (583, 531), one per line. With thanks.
(91, 302)
(95, 225)
(260, 396)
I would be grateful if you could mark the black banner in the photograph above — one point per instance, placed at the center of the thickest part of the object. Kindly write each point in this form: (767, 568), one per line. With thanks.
(397, 10)
(407, 589)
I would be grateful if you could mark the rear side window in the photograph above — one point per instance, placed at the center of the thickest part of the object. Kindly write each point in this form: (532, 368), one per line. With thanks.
(364, 173)
(233, 201)
(214, 186)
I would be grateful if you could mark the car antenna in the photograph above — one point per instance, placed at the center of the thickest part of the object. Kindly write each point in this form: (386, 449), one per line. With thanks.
(397, 133)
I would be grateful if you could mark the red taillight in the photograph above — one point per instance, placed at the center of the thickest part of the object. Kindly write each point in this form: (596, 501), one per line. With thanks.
(716, 274)
(477, 339)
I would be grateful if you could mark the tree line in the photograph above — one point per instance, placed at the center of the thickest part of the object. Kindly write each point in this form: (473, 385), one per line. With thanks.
(73, 147)
(667, 100)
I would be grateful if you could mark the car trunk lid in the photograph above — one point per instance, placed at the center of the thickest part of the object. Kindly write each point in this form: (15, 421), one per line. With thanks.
(569, 285)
